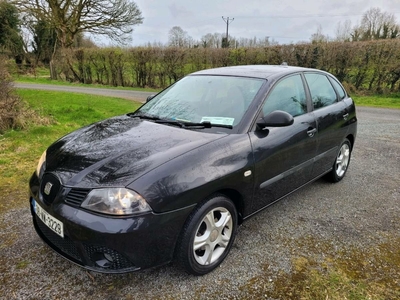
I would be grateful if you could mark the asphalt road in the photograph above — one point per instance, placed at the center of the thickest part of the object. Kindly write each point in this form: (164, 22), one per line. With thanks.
(125, 94)
(353, 223)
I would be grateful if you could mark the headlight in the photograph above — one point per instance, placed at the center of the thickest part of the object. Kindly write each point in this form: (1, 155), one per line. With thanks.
(115, 201)
(41, 165)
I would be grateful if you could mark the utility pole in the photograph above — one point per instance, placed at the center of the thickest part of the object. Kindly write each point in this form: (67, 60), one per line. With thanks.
(227, 21)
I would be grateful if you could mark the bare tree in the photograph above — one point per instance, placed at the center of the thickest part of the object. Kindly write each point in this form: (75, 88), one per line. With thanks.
(376, 24)
(177, 37)
(207, 40)
(113, 18)
(343, 31)
(211, 40)
(251, 42)
(319, 37)
(218, 40)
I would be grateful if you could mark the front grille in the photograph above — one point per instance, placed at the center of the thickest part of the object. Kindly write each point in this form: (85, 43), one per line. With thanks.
(65, 245)
(119, 262)
(75, 197)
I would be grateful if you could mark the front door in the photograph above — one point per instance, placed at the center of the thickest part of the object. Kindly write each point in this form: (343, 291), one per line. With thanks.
(284, 156)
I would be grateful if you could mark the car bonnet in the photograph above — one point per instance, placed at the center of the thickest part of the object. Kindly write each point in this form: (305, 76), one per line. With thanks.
(117, 151)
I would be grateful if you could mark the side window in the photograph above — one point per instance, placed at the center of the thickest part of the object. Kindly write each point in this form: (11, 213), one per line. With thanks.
(287, 95)
(338, 88)
(322, 92)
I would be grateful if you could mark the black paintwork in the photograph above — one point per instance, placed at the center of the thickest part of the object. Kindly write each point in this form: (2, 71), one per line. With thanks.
(119, 150)
(175, 168)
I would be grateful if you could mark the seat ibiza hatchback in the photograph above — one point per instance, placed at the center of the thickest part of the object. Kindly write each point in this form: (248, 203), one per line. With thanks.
(174, 179)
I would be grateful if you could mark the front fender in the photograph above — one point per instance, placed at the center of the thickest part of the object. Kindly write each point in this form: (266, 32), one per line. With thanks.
(194, 175)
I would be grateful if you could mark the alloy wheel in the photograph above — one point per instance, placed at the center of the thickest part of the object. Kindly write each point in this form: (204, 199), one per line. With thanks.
(212, 236)
(342, 160)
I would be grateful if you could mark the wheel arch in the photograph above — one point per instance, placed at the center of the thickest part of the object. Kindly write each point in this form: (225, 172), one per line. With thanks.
(237, 200)
(351, 139)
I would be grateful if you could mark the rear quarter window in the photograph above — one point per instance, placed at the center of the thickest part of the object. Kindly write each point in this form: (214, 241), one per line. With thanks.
(338, 87)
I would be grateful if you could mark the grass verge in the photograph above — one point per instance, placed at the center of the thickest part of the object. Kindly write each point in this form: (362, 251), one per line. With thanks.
(383, 101)
(45, 79)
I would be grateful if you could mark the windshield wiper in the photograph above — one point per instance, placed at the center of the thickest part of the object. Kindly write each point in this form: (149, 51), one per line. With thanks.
(185, 124)
(208, 124)
(143, 116)
(182, 124)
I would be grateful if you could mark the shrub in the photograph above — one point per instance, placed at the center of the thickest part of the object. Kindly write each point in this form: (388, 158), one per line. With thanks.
(370, 66)
(10, 103)
(14, 114)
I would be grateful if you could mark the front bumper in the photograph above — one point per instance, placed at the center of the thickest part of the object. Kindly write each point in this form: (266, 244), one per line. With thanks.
(110, 244)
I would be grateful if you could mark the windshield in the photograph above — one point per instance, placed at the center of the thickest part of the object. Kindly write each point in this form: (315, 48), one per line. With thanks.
(220, 100)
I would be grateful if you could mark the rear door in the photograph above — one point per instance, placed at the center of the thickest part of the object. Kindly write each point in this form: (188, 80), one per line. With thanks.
(330, 115)
(284, 155)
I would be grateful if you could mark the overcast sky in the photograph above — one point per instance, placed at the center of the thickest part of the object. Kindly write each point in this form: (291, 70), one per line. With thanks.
(285, 21)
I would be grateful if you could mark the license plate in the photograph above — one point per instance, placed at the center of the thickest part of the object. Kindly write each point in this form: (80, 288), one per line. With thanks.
(51, 222)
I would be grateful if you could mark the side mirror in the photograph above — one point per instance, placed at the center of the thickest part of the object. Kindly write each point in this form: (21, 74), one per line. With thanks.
(149, 98)
(277, 118)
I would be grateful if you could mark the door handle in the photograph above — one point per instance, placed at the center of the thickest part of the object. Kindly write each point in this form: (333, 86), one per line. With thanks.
(311, 132)
(345, 116)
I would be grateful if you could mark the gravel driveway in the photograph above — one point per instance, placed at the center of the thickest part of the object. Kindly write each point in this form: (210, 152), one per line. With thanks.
(322, 222)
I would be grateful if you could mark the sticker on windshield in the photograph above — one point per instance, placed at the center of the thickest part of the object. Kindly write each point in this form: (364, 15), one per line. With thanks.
(218, 120)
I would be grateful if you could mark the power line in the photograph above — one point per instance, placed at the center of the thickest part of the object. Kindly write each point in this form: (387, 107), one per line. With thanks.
(305, 16)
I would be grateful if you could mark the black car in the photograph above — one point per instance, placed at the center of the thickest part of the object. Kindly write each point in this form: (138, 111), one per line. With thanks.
(174, 179)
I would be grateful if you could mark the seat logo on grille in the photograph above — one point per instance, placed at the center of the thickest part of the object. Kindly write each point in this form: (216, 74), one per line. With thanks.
(47, 188)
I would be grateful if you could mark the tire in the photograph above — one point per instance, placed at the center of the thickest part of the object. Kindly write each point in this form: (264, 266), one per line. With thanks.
(341, 162)
(207, 236)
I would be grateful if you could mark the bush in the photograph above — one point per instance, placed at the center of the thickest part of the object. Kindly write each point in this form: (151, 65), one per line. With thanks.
(10, 103)
(14, 114)
(370, 66)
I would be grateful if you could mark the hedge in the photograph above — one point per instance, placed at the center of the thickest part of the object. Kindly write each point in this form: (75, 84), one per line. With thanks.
(372, 66)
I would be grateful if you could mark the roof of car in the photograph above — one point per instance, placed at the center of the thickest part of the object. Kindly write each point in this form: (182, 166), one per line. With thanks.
(256, 71)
